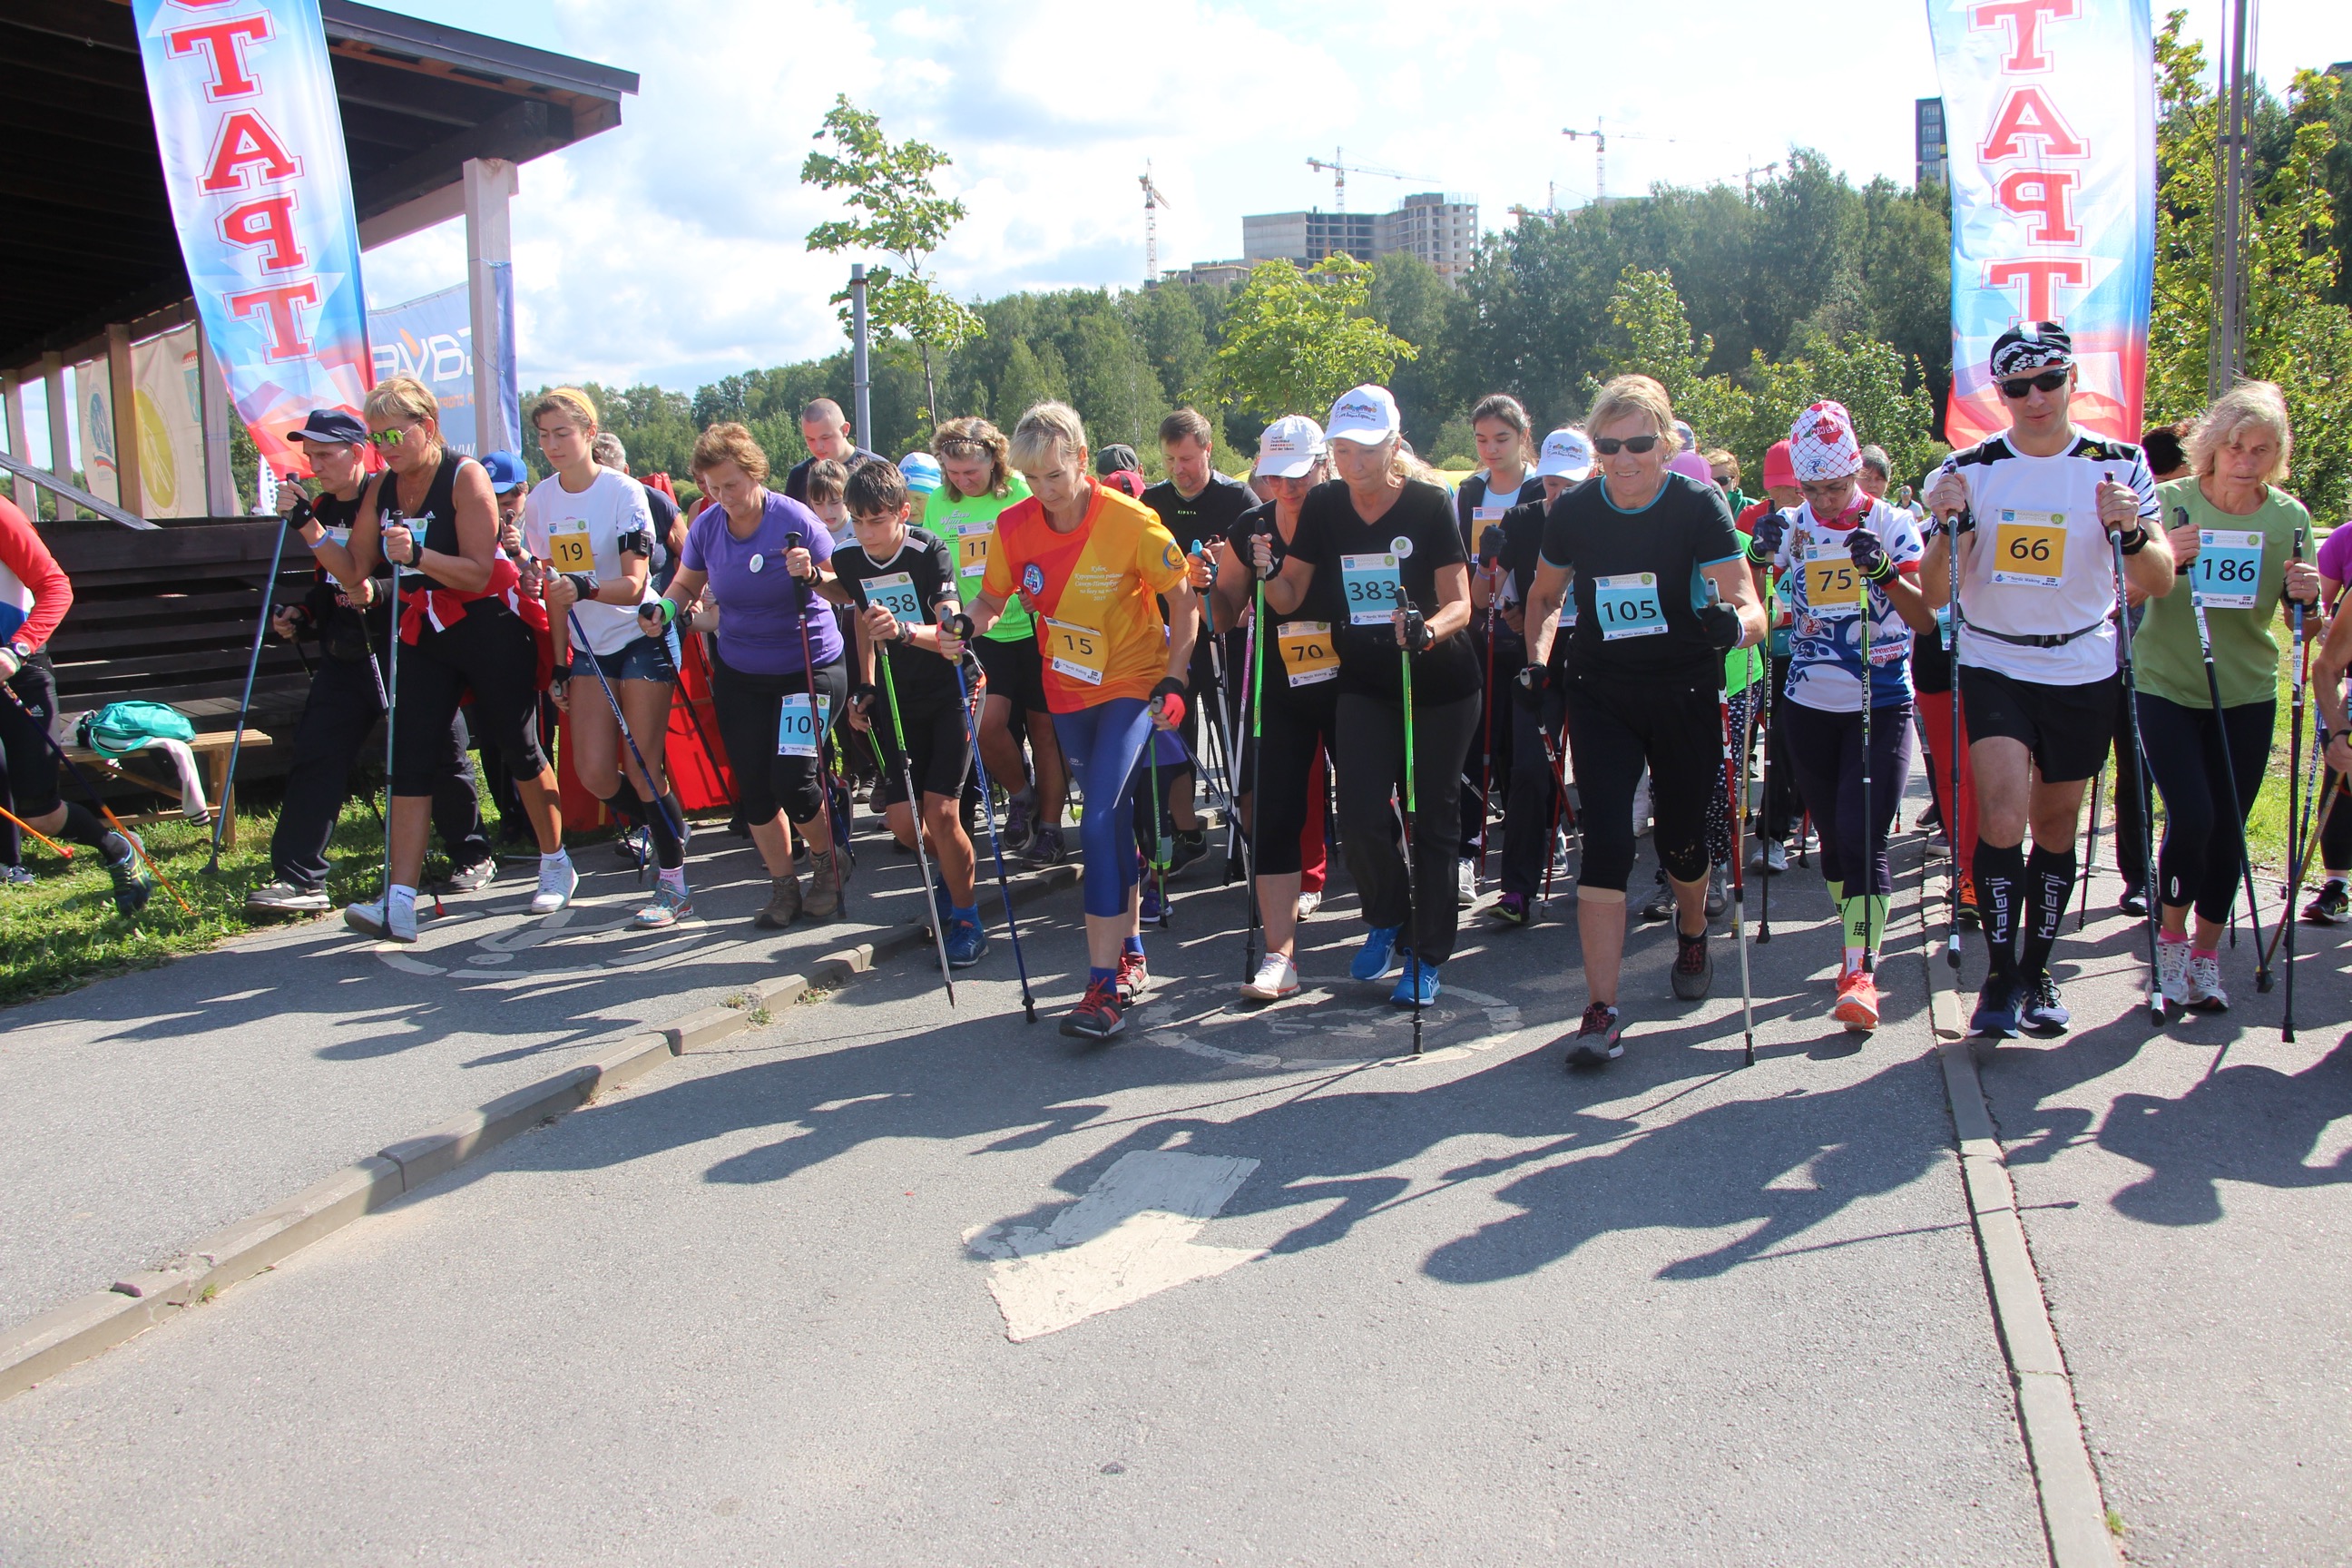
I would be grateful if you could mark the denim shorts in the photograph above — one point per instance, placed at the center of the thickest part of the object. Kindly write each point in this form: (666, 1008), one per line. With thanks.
(640, 658)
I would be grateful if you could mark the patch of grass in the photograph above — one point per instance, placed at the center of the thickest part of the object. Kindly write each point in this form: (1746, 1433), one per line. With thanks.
(2115, 1524)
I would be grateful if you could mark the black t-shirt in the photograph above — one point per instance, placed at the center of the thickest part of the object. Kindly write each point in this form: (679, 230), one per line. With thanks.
(665, 561)
(1522, 553)
(927, 565)
(1420, 522)
(796, 482)
(1638, 587)
(1322, 604)
(1209, 515)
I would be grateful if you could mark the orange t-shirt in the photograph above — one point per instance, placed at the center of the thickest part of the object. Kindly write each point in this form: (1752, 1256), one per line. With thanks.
(1094, 594)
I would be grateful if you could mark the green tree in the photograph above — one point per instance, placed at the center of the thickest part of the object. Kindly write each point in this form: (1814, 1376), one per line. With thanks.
(904, 217)
(1295, 341)
(1656, 340)
(1410, 298)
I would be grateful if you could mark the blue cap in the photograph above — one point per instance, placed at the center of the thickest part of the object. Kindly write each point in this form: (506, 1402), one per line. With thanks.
(505, 471)
(921, 471)
(331, 424)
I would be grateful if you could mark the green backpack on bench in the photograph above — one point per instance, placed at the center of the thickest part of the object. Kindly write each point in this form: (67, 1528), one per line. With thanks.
(120, 728)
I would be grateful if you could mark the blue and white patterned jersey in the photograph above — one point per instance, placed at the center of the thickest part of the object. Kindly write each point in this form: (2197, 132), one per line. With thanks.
(1826, 591)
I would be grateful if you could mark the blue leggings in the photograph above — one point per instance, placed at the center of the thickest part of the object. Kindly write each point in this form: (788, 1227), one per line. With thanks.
(1102, 745)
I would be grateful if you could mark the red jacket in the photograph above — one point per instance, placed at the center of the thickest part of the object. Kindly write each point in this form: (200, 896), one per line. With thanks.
(34, 592)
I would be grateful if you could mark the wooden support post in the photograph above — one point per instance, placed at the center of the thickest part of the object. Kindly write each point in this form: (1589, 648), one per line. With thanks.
(12, 392)
(61, 463)
(128, 495)
(489, 185)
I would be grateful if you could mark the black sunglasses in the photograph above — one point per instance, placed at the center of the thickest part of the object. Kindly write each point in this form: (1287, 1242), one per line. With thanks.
(2048, 380)
(1610, 446)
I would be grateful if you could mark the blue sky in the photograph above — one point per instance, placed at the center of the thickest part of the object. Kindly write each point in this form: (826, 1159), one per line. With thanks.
(671, 250)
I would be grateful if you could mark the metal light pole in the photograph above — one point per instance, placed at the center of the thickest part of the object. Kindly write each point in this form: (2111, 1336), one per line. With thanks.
(2226, 358)
(861, 379)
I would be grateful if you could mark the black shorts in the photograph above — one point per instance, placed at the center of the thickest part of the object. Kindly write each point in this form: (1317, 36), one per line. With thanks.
(936, 747)
(2068, 728)
(1015, 671)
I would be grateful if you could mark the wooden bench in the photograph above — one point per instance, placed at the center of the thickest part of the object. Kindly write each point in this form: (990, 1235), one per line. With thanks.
(212, 753)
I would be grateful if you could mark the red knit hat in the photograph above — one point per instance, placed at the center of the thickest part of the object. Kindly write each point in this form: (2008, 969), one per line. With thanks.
(1778, 469)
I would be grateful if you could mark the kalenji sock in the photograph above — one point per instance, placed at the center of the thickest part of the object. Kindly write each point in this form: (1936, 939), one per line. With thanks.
(1998, 873)
(2049, 884)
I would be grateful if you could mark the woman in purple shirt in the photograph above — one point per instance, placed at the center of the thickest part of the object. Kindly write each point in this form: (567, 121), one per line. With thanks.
(762, 555)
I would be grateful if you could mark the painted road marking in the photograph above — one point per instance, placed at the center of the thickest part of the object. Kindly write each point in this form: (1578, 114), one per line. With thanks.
(1385, 1031)
(1129, 1237)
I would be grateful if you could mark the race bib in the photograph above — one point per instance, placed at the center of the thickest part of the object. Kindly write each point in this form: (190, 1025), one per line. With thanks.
(1079, 653)
(1832, 585)
(567, 546)
(341, 536)
(1944, 626)
(2029, 549)
(2228, 568)
(1484, 521)
(1308, 653)
(1567, 621)
(971, 548)
(799, 727)
(896, 592)
(1628, 606)
(1371, 585)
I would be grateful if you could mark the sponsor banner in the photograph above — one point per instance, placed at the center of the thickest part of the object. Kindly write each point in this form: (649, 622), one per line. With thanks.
(432, 339)
(2050, 109)
(252, 143)
(164, 377)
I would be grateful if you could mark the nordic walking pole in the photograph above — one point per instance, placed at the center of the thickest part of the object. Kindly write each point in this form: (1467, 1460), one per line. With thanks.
(959, 626)
(386, 517)
(1216, 717)
(24, 826)
(1411, 802)
(1486, 709)
(2331, 785)
(915, 804)
(838, 848)
(1163, 848)
(2131, 711)
(1257, 770)
(660, 802)
(1735, 783)
(1950, 632)
(1869, 823)
(252, 667)
(2090, 849)
(2229, 771)
(1764, 789)
(2294, 745)
(86, 788)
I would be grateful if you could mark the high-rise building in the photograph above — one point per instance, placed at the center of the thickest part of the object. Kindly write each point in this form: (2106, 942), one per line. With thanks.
(1934, 154)
(1441, 229)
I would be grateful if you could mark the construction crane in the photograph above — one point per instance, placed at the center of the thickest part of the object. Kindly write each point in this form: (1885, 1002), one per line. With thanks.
(1600, 139)
(1340, 171)
(1748, 179)
(1152, 202)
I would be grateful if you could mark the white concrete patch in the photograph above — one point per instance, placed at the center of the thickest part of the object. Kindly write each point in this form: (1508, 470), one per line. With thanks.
(1384, 1031)
(1129, 1237)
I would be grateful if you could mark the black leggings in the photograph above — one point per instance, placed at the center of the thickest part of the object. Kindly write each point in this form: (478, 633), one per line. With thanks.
(1825, 753)
(1285, 761)
(488, 651)
(1369, 765)
(1534, 790)
(2199, 860)
(343, 707)
(749, 707)
(1614, 729)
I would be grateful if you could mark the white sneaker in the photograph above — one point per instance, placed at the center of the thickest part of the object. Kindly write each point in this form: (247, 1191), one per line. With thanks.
(1642, 806)
(1308, 903)
(1772, 856)
(556, 883)
(369, 920)
(1277, 978)
(2205, 993)
(1465, 882)
(2172, 971)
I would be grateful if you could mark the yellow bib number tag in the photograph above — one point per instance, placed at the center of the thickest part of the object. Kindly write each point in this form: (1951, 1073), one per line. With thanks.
(1485, 524)
(1832, 586)
(971, 548)
(1308, 653)
(1080, 653)
(2029, 549)
(568, 547)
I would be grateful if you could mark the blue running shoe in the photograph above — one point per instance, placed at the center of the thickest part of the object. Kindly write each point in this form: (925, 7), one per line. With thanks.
(1426, 973)
(1378, 956)
(2043, 1013)
(1997, 1004)
(967, 944)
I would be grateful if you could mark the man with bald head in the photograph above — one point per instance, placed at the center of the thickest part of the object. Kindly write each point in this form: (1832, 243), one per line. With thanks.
(825, 428)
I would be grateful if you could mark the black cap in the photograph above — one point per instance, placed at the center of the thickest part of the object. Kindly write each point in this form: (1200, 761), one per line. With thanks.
(2031, 345)
(1117, 458)
(331, 425)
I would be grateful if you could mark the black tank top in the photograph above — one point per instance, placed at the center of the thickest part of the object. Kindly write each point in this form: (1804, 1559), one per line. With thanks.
(343, 632)
(437, 514)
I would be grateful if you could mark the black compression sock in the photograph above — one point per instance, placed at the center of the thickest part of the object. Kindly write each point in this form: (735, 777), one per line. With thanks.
(2000, 873)
(2048, 883)
(669, 853)
(84, 827)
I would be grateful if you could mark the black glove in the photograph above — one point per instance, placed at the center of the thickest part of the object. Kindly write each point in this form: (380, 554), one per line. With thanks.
(1959, 523)
(583, 584)
(1771, 530)
(959, 627)
(1533, 680)
(1721, 624)
(1868, 556)
(861, 696)
(1416, 632)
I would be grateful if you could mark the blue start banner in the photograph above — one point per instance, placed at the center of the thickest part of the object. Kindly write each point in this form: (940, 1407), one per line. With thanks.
(432, 339)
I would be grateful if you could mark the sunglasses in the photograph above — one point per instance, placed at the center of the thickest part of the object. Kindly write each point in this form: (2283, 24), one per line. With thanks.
(1610, 446)
(388, 437)
(2048, 380)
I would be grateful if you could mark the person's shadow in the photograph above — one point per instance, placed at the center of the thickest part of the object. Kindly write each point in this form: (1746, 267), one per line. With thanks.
(2242, 1124)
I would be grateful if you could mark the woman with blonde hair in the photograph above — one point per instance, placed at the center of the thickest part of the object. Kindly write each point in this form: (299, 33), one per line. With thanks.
(434, 517)
(2238, 546)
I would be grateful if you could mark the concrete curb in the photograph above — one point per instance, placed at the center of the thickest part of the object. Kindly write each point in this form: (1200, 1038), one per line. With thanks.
(2074, 1509)
(38, 1349)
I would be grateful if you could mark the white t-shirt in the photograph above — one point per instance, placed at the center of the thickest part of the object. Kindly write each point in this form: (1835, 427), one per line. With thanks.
(1825, 635)
(2039, 563)
(581, 533)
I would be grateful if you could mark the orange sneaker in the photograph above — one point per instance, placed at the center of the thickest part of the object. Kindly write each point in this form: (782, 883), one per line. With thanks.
(1857, 1003)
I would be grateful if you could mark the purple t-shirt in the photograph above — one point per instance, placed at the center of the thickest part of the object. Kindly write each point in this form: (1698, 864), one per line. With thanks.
(2336, 556)
(758, 601)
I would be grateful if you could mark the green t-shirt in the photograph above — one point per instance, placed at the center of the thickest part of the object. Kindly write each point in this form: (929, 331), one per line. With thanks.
(952, 520)
(2245, 652)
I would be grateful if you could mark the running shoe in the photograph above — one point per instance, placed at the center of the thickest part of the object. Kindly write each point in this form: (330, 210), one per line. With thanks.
(1277, 978)
(1971, 917)
(1466, 883)
(967, 944)
(2331, 906)
(1378, 956)
(783, 903)
(1694, 972)
(2134, 901)
(2043, 1013)
(2205, 993)
(1511, 909)
(1134, 978)
(1995, 1018)
(1421, 976)
(2172, 971)
(369, 920)
(1045, 846)
(1190, 845)
(1020, 827)
(132, 886)
(1661, 906)
(1096, 1017)
(473, 878)
(1857, 1002)
(1308, 903)
(823, 898)
(1716, 899)
(1598, 1039)
(17, 877)
(284, 898)
(1774, 859)
(558, 879)
(670, 906)
(1931, 817)
(1154, 904)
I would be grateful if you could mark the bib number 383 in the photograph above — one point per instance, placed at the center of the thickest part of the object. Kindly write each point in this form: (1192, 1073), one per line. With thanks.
(1370, 583)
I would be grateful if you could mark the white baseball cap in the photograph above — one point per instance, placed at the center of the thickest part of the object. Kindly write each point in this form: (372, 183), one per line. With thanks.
(1289, 448)
(1566, 455)
(1367, 415)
